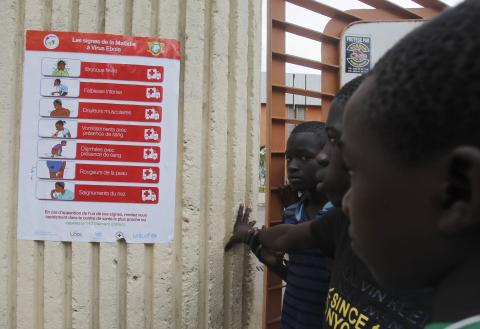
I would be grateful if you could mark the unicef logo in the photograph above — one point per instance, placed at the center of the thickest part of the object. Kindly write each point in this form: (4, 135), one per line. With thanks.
(51, 41)
(145, 236)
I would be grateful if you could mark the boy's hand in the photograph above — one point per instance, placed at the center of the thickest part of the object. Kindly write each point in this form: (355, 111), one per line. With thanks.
(242, 228)
(272, 259)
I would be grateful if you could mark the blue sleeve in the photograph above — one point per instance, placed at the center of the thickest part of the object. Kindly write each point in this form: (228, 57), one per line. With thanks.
(289, 214)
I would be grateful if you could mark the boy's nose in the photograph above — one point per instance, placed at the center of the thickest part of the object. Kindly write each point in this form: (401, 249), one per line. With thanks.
(292, 166)
(346, 203)
(322, 159)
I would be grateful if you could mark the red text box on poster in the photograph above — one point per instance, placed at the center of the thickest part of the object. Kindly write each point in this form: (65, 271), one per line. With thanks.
(125, 153)
(131, 72)
(124, 194)
(125, 92)
(120, 112)
(100, 43)
(126, 133)
(112, 173)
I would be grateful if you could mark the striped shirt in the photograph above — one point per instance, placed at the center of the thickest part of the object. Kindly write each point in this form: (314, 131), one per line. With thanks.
(307, 280)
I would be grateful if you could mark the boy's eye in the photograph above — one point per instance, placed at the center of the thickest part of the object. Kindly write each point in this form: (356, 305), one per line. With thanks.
(333, 140)
(303, 158)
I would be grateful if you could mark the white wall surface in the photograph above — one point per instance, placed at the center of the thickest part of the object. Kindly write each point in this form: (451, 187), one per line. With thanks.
(190, 283)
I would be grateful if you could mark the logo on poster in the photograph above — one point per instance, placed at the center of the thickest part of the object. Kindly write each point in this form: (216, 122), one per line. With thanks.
(156, 48)
(149, 153)
(149, 174)
(148, 195)
(51, 41)
(152, 93)
(358, 54)
(151, 114)
(76, 234)
(150, 134)
(154, 74)
(119, 235)
(145, 236)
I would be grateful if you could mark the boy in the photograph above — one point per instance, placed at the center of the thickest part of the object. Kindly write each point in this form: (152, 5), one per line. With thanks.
(61, 193)
(412, 137)
(59, 89)
(59, 110)
(306, 275)
(57, 149)
(61, 70)
(354, 299)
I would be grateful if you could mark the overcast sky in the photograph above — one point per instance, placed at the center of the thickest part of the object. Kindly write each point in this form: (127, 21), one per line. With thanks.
(300, 46)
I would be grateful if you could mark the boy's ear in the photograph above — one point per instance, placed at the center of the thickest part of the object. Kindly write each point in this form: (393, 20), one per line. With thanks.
(461, 193)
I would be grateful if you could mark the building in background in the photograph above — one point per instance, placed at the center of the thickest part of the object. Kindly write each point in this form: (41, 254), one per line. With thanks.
(299, 107)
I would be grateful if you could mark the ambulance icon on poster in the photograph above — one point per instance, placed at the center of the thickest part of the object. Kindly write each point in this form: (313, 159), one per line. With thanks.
(152, 114)
(154, 74)
(149, 195)
(150, 154)
(152, 93)
(150, 135)
(149, 174)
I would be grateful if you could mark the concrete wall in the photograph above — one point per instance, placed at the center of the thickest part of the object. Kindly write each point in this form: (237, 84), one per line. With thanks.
(189, 283)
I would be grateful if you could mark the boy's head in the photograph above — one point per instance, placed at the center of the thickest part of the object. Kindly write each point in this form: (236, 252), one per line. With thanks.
(334, 177)
(61, 65)
(63, 143)
(59, 124)
(59, 187)
(305, 142)
(412, 143)
(57, 82)
(57, 104)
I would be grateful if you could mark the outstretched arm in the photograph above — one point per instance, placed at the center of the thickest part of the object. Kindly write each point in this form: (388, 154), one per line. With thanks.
(288, 237)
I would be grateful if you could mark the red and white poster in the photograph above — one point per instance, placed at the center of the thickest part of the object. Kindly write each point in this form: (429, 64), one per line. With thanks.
(98, 138)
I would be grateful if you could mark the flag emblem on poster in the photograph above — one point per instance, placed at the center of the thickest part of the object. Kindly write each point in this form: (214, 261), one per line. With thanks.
(156, 48)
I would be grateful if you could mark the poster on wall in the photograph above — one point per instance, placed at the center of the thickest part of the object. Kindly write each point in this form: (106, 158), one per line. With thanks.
(98, 134)
(357, 54)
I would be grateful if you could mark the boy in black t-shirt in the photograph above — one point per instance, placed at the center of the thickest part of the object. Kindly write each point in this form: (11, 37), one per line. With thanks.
(412, 140)
(354, 299)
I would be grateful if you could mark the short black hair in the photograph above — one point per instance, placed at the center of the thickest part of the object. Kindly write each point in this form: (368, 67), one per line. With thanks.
(61, 62)
(60, 184)
(425, 94)
(344, 94)
(60, 122)
(57, 101)
(316, 127)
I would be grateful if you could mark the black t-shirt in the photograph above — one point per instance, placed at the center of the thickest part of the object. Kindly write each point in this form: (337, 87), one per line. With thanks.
(354, 300)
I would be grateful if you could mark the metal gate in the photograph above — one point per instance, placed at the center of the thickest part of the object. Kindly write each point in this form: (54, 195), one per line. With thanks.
(328, 63)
